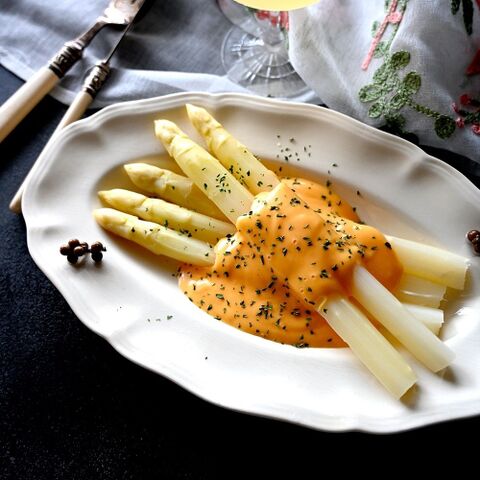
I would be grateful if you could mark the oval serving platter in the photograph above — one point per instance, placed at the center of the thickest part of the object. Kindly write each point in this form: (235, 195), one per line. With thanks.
(133, 301)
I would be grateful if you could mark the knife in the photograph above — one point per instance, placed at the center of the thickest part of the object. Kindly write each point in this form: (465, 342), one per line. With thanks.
(14, 110)
(94, 81)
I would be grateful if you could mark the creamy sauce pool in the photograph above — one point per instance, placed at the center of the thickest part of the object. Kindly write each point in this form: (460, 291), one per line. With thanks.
(286, 258)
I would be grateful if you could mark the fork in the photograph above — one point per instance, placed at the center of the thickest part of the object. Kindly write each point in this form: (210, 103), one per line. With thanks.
(21, 103)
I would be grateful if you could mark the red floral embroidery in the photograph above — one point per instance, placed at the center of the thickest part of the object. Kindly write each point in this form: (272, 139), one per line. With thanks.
(393, 17)
(474, 67)
(276, 18)
(470, 116)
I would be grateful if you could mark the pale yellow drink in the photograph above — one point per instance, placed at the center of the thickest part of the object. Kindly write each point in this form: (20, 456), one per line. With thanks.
(277, 5)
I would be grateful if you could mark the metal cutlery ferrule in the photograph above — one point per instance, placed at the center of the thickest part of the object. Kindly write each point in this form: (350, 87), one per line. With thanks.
(70, 53)
(96, 78)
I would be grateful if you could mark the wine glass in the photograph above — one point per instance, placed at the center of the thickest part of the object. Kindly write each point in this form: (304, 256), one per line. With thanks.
(255, 51)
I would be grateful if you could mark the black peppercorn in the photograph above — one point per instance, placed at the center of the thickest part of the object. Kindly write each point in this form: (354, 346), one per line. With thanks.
(97, 256)
(97, 247)
(472, 234)
(73, 243)
(72, 258)
(79, 251)
(75, 249)
(476, 243)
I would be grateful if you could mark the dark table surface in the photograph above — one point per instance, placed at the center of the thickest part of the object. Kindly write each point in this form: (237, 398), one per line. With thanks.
(72, 407)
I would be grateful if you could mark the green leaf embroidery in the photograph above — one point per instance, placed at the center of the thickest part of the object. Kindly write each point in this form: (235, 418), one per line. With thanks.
(391, 83)
(382, 73)
(380, 50)
(396, 122)
(376, 110)
(444, 126)
(386, 76)
(371, 92)
(472, 117)
(411, 83)
(390, 93)
(398, 101)
(400, 60)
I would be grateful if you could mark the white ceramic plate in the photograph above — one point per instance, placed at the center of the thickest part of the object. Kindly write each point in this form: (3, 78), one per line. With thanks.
(129, 299)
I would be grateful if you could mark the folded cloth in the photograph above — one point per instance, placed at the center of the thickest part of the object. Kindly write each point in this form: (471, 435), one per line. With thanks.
(176, 46)
(411, 67)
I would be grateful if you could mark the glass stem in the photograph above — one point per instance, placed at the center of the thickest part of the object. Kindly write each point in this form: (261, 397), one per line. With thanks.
(271, 32)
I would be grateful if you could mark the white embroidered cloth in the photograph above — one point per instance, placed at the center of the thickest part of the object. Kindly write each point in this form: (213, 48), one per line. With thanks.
(399, 63)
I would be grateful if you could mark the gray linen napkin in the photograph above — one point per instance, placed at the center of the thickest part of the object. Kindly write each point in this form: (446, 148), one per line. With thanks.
(175, 47)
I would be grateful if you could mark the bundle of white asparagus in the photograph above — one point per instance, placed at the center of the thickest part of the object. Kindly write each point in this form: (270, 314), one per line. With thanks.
(191, 218)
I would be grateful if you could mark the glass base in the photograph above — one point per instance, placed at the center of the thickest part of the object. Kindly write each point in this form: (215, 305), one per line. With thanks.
(260, 67)
(240, 16)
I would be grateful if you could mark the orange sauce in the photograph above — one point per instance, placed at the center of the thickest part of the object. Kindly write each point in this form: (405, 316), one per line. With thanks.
(295, 249)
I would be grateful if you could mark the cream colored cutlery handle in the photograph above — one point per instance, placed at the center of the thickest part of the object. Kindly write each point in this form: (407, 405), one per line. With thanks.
(16, 108)
(75, 111)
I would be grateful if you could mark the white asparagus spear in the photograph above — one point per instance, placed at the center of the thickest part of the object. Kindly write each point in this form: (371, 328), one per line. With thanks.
(432, 318)
(431, 263)
(415, 336)
(168, 214)
(416, 290)
(233, 155)
(220, 186)
(172, 187)
(156, 238)
(369, 345)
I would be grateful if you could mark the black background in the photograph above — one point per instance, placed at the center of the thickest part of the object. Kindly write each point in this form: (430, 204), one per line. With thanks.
(71, 407)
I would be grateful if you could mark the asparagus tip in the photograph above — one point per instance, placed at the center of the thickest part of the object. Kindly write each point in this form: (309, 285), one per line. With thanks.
(103, 195)
(108, 217)
(200, 118)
